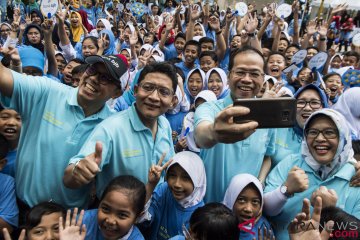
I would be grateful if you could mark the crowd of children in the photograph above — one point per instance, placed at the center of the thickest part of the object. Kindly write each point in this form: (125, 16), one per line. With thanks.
(117, 121)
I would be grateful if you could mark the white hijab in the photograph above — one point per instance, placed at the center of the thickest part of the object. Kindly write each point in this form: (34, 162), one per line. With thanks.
(194, 166)
(223, 77)
(349, 106)
(237, 184)
(344, 152)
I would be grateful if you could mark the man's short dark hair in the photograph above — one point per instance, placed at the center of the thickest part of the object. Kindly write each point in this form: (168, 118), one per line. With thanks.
(79, 69)
(180, 35)
(241, 51)
(162, 67)
(352, 54)
(206, 40)
(192, 43)
(211, 54)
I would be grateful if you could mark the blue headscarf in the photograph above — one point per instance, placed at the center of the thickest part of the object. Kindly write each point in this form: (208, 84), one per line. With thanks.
(111, 49)
(324, 101)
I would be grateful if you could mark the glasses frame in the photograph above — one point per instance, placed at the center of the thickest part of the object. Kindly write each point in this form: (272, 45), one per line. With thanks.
(156, 87)
(322, 132)
(103, 79)
(261, 75)
(308, 102)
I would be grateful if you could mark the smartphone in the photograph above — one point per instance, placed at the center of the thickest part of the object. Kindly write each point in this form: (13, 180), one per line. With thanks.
(269, 112)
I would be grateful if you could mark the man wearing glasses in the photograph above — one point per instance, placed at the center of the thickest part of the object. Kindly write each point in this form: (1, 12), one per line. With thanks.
(131, 141)
(57, 120)
(228, 148)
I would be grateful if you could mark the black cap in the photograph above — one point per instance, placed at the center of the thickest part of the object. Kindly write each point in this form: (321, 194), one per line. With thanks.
(116, 65)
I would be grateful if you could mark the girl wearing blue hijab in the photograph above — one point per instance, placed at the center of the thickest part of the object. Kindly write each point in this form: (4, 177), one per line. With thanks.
(310, 98)
(110, 45)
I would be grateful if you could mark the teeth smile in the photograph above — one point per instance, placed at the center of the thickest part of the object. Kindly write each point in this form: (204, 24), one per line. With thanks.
(9, 130)
(88, 86)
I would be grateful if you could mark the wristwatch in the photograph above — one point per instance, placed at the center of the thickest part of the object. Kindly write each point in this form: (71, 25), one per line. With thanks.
(283, 190)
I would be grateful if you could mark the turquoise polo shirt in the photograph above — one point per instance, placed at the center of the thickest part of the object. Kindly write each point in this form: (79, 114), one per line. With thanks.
(348, 197)
(128, 147)
(287, 142)
(223, 161)
(54, 128)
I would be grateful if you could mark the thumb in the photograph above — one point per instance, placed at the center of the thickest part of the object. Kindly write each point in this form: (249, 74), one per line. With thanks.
(98, 152)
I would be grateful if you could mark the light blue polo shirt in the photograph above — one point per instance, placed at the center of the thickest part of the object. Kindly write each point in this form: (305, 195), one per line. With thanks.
(128, 147)
(348, 197)
(223, 161)
(287, 142)
(54, 128)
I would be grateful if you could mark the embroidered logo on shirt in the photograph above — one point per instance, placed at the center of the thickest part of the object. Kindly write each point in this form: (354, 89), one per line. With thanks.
(50, 117)
(131, 153)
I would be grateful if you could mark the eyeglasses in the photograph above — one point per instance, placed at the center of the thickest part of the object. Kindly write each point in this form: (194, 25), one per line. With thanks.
(253, 75)
(162, 91)
(103, 79)
(328, 133)
(314, 104)
(6, 30)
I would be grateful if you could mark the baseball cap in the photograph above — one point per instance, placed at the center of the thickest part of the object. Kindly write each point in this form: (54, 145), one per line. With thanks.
(116, 65)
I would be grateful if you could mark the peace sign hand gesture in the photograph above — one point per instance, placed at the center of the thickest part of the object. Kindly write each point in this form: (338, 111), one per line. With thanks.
(156, 170)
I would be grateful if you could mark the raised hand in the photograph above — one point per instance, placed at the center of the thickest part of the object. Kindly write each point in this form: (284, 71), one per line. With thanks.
(195, 14)
(311, 28)
(304, 227)
(322, 29)
(329, 196)
(297, 180)
(214, 23)
(272, 92)
(85, 170)
(28, 19)
(8, 237)
(156, 170)
(251, 24)
(72, 229)
(133, 39)
(47, 27)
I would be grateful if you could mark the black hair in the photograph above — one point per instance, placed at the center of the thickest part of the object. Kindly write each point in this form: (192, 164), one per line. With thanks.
(302, 69)
(39, 45)
(285, 39)
(241, 51)
(277, 53)
(312, 47)
(352, 54)
(77, 60)
(356, 146)
(327, 76)
(79, 69)
(153, 34)
(180, 72)
(135, 190)
(343, 222)
(206, 40)
(214, 221)
(33, 217)
(162, 67)
(180, 35)
(93, 39)
(293, 45)
(211, 54)
(192, 43)
(4, 146)
(154, 5)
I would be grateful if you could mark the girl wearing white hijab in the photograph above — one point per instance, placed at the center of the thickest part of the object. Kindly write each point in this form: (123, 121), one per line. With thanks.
(173, 201)
(325, 165)
(105, 22)
(216, 81)
(244, 196)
